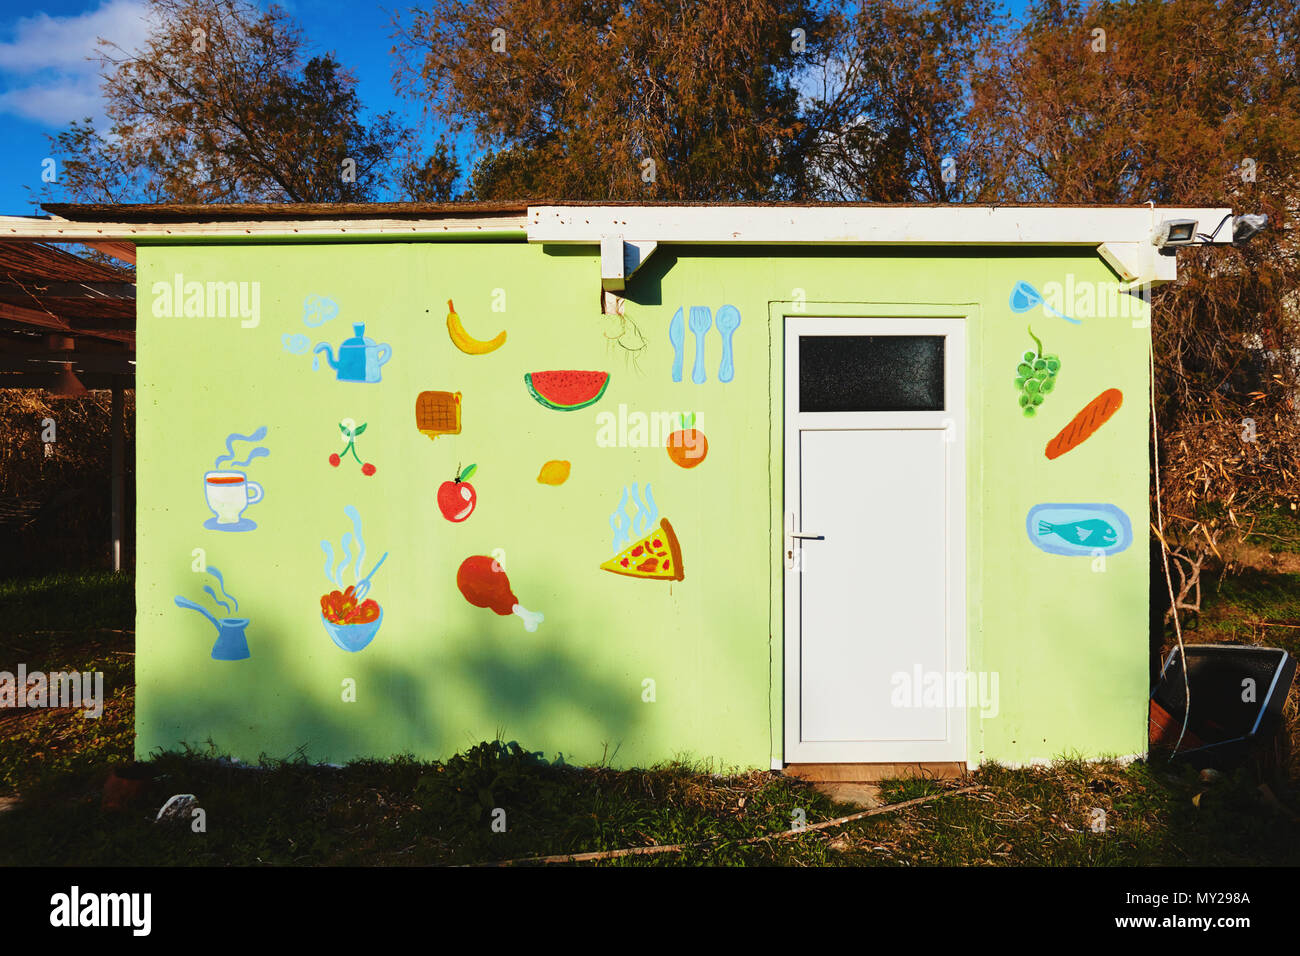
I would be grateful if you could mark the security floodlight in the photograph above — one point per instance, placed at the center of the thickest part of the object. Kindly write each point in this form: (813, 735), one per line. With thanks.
(1243, 227)
(1175, 232)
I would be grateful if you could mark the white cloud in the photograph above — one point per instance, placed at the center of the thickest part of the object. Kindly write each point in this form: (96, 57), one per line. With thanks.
(49, 65)
(53, 104)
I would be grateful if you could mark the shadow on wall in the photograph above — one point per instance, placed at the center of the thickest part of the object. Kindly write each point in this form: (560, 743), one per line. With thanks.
(645, 288)
(268, 707)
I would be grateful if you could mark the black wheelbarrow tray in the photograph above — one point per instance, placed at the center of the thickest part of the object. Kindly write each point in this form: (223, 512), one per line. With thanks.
(1237, 695)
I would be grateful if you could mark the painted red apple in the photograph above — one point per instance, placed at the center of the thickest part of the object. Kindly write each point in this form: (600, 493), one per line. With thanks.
(456, 499)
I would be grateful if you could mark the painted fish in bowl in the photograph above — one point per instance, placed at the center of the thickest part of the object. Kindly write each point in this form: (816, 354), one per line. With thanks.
(351, 623)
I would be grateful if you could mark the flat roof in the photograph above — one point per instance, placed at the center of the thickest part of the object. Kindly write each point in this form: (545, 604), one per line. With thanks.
(217, 212)
(1120, 235)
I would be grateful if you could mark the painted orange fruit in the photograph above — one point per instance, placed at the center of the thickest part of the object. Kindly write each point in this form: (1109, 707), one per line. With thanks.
(687, 447)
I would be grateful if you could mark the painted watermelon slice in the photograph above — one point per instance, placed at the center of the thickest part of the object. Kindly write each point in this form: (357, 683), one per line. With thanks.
(566, 391)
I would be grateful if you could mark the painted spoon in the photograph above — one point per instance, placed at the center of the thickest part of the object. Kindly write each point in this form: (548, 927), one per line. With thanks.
(728, 321)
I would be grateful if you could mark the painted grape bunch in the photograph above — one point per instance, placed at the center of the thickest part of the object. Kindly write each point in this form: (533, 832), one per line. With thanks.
(1036, 376)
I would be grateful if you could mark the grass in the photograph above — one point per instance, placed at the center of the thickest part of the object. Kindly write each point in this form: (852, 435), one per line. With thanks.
(1277, 530)
(409, 812)
(80, 622)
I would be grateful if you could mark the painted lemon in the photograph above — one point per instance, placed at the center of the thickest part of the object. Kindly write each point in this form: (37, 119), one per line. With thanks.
(554, 473)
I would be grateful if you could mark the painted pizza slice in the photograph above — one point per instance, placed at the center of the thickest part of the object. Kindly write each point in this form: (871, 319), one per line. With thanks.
(657, 556)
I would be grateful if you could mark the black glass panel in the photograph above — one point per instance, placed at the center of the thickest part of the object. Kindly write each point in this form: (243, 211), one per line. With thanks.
(871, 373)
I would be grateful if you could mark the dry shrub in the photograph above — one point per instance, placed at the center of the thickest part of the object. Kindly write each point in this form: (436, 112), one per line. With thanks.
(55, 508)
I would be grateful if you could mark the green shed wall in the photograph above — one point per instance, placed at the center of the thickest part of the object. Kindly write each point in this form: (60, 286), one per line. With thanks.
(1067, 639)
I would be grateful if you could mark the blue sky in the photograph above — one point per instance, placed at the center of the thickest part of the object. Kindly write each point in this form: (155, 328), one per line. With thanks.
(46, 79)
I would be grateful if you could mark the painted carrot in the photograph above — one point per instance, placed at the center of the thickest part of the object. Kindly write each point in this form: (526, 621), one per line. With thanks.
(1095, 414)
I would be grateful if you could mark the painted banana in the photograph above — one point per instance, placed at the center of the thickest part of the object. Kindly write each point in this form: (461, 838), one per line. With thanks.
(466, 342)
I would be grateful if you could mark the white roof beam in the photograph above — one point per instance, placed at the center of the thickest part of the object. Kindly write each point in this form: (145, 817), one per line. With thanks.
(67, 230)
(859, 225)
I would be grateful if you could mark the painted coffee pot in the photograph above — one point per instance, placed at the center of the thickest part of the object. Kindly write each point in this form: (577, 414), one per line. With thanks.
(359, 357)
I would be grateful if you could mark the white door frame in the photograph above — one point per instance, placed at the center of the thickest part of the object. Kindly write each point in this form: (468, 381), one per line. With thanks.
(952, 420)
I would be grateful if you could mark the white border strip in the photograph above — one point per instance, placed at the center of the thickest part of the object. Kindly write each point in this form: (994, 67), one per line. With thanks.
(860, 225)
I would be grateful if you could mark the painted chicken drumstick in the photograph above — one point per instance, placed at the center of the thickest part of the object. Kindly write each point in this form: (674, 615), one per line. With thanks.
(484, 583)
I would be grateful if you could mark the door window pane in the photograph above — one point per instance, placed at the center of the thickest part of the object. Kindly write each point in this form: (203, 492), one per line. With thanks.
(871, 373)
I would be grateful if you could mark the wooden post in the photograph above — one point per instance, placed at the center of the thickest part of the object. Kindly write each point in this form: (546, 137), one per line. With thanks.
(117, 417)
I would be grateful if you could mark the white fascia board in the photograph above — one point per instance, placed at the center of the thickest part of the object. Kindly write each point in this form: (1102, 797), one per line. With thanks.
(1121, 235)
(858, 225)
(66, 230)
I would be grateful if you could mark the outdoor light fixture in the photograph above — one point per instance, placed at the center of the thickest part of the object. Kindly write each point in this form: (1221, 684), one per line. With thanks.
(1243, 227)
(66, 384)
(1172, 233)
(1175, 232)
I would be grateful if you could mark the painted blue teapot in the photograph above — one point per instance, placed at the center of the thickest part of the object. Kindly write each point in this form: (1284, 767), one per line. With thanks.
(359, 357)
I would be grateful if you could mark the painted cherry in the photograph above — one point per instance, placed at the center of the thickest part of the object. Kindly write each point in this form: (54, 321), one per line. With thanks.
(456, 499)
(350, 431)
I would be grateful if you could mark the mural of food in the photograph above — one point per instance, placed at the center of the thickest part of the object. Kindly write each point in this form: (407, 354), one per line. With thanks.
(483, 582)
(1079, 529)
(466, 342)
(231, 644)
(1036, 377)
(657, 556)
(554, 473)
(457, 498)
(437, 413)
(568, 390)
(350, 431)
(1024, 298)
(360, 357)
(687, 446)
(350, 620)
(343, 607)
(228, 492)
(1095, 414)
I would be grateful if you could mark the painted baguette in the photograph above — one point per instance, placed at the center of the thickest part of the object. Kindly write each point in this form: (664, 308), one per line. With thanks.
(1095, 414)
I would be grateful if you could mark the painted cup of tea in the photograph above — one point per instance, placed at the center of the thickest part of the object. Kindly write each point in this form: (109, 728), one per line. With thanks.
(228, 493)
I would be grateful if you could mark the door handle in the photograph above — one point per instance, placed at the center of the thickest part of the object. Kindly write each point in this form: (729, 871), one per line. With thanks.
(792, 535)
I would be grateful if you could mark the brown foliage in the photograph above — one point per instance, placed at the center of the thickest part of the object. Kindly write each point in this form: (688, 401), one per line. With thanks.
(219, 106)
(579, 93)
(1181, 95)
(888, 102)
(55, 508)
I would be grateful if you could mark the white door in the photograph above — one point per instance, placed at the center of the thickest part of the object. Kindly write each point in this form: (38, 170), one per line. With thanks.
(874, 547)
